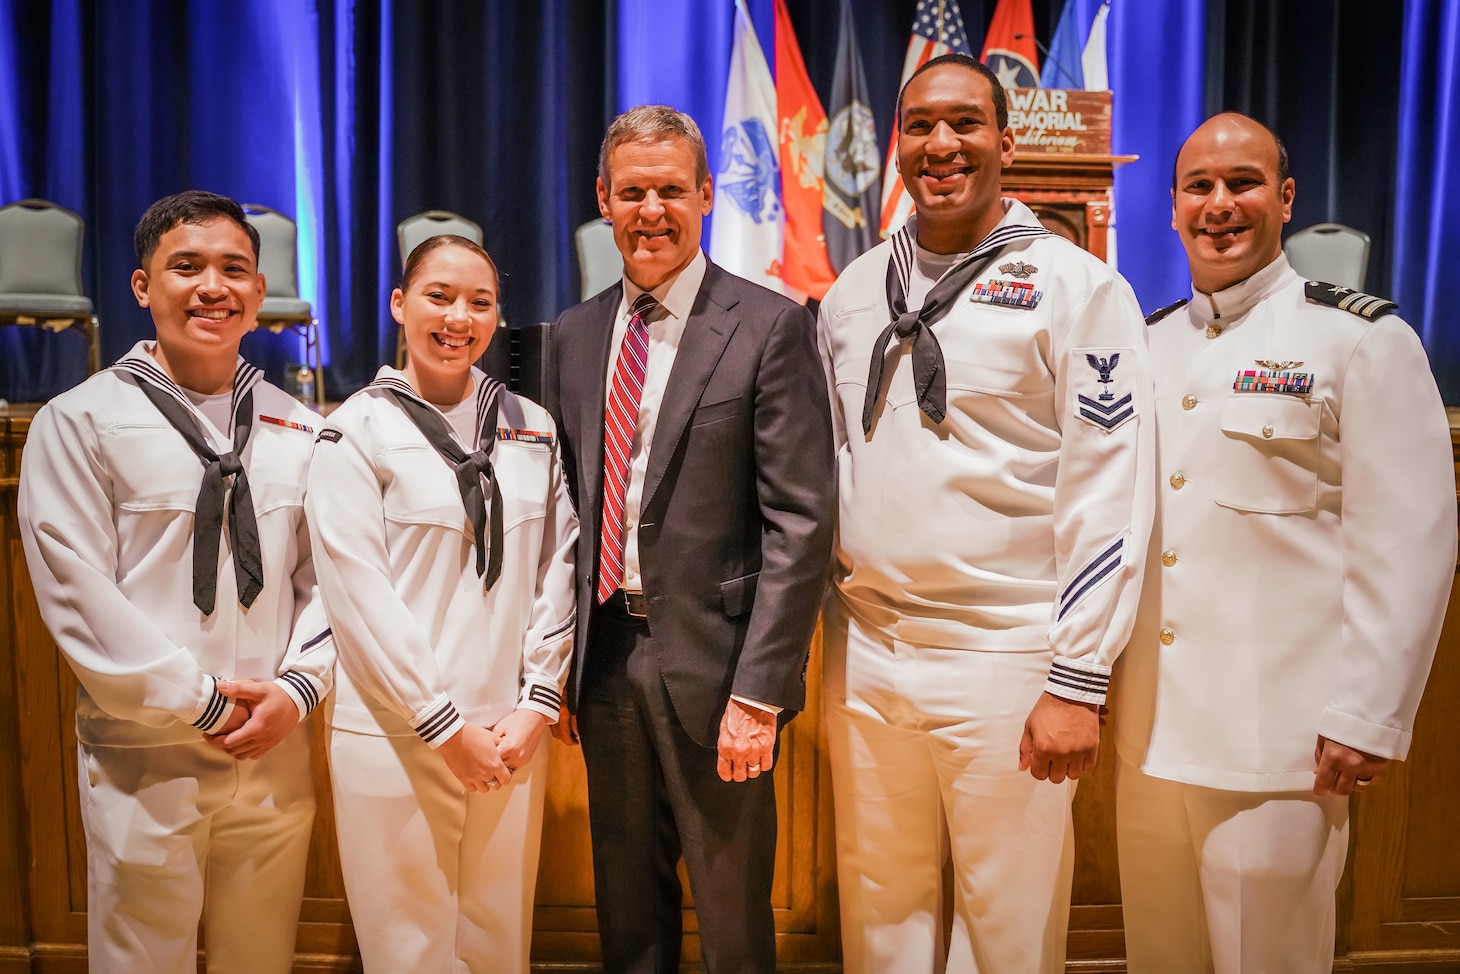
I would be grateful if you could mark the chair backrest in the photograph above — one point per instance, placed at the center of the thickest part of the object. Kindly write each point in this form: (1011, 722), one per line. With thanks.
(600, 265)
(40, 248)
(278, 238)
(413, 231)
(1330, 252)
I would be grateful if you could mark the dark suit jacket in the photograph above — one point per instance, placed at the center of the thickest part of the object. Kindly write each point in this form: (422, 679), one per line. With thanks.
(735, 527)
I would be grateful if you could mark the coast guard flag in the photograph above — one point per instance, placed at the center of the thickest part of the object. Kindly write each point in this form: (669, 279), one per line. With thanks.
(745, 234)
(937, 29)
(1008, 48)
(804, 264)
(852, 163)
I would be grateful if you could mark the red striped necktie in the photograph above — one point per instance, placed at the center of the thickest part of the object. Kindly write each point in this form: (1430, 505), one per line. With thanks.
(620, 420)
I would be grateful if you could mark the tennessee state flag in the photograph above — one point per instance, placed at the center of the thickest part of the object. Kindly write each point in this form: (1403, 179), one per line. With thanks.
(805, 266)
(1008, 47)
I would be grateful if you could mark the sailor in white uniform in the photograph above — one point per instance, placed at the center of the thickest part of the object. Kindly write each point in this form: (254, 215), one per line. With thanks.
(1297, 579)
(446, 535)
(994, 482)
(179, 625)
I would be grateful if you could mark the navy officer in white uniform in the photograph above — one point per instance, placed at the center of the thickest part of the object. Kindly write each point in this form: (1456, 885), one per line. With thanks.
(1298, 575)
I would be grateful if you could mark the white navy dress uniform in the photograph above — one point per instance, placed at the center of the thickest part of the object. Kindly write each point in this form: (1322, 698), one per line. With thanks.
(438, 880)
(981, 561)
(1296, 583)
(108, 489)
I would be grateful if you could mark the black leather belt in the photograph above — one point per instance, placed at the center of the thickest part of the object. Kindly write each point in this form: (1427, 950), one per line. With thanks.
(633, 604)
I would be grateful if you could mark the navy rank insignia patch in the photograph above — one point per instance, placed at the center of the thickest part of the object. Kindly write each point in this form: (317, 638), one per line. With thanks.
(1008, 294)
(1347, 299)
(1272, 380)
(1160, 313)
(1111, 405)
(329, 436)
(523, 436)
(1018, 269)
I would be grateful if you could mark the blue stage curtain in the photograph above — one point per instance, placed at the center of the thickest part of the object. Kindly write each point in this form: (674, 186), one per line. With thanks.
(1427, 209)
(347, 115)
(125, 103)
(1295, 72)
(493, 111)
(1155, 51)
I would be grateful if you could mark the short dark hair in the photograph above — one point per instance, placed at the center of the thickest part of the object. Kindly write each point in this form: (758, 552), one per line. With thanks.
(1001, 99)
(430, 244)
(654, 123)
(1284, 168)
(191, 206)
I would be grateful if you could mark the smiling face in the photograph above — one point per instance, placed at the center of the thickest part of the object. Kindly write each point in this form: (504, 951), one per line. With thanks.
(448, 307)
(952, 153)
(655, 206)
(1228, 205)
(203, 288)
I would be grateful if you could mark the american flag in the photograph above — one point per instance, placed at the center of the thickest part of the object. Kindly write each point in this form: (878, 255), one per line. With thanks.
(937, 30)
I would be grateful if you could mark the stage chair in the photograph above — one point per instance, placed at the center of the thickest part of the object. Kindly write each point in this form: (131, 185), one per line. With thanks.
(1330, 252)
(413, 231)
(40, 272)
(600, 265)
(282, 306)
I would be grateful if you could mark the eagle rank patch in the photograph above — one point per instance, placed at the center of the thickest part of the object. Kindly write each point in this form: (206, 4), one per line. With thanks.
(1105, 401)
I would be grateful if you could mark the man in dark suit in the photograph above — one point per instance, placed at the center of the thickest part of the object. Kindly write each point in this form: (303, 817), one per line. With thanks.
(696, 437)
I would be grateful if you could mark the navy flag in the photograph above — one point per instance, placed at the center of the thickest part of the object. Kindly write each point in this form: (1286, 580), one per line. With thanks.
(851, 204)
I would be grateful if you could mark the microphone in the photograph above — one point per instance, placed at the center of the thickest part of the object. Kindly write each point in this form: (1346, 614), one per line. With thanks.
(1048, 57)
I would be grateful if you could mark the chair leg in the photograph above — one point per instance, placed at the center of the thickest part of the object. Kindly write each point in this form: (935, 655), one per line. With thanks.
(93, 345)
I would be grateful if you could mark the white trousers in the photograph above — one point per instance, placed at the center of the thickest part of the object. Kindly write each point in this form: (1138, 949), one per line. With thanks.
(438, 882)
(1227, 881)
(184, 831)
(925, 764)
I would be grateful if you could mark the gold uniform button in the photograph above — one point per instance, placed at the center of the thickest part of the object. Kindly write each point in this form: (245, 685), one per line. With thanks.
(1168, 636)
(1178, 481)
(1168, 557)
(1213, 331)
(1267, 432)
(1188, 402)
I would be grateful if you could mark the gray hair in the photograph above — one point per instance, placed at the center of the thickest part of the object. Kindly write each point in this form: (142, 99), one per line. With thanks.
(654, 123)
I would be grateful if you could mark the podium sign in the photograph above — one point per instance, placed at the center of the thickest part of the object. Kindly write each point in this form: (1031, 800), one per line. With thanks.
(1060, 121)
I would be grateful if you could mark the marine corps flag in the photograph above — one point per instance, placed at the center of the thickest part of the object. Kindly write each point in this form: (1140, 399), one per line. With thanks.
(745, 234)
(852, 163)
(1008, 48)
(804, 264)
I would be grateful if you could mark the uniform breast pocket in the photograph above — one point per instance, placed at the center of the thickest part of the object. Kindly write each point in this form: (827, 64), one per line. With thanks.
(524, 472)
(152, 469)
(420, 488)
(1267, 460)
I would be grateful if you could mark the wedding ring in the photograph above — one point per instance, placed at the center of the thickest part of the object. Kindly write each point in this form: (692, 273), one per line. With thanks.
(1361, 783)
(752, 767)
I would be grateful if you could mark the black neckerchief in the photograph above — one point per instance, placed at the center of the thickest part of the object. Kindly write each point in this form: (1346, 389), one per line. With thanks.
(929, 379)
(471, 468)
(213, 496)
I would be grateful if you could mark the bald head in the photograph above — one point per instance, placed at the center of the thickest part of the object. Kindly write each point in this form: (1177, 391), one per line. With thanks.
(1231, 122)
(1230, 196)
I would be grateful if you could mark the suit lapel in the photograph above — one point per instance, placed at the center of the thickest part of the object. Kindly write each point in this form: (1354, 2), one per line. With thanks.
(706, 334)
(594, 381)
